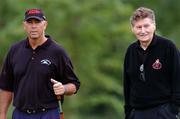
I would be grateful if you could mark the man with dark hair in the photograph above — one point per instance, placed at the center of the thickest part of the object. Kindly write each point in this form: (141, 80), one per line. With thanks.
(36, 71)
(151, 72)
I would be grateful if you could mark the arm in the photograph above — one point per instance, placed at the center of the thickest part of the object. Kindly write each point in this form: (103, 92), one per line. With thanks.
(70, 89)
(6, 85)
(127, 107)
(126, 86)
(5, 100)
(174, 66)
(67, 82)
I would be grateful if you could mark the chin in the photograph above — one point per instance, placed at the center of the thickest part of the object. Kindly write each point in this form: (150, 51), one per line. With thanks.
(34, 38)
(144, 39)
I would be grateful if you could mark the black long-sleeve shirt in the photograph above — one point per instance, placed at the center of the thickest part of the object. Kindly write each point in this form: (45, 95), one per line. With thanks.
(161, 83)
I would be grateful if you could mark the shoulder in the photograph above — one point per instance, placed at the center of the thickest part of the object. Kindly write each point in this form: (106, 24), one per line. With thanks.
(19, 43)
(168, 45)
(165, 42)
(131, 50)
(15, 46)
(58, 50)
(132, 46)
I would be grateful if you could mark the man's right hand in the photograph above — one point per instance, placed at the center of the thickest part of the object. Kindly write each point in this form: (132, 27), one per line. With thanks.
(5, 100)
(2, 116)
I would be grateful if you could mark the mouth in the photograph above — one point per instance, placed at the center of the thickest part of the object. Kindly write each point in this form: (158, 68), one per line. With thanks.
(143, 35)
(33, 32)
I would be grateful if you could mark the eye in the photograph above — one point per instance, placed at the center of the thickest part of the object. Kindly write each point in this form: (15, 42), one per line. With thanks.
(138, 27)
(146, 25)
(29, 21)
(37, 21)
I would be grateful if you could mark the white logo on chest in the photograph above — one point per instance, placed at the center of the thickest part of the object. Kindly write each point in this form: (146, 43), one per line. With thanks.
(45, 61)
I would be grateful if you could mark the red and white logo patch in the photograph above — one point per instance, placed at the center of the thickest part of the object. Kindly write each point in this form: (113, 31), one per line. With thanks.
(157, 64)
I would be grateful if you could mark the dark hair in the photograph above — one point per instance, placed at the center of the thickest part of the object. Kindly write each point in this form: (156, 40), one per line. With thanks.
(142, 13)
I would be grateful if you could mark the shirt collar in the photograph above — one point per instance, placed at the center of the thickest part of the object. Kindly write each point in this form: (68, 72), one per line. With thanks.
(44, 45)
(153, 42)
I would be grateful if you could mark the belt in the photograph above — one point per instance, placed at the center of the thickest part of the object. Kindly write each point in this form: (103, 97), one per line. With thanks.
(33, 111)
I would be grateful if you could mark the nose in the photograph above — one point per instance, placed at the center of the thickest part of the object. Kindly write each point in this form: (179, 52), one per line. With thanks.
(33, 25)
(142, 30)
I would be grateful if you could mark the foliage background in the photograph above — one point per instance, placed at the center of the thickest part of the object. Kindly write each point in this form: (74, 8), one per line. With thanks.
(95, 33)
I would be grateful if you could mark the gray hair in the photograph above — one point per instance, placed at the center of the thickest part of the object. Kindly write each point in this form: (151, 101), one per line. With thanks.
(142, 13)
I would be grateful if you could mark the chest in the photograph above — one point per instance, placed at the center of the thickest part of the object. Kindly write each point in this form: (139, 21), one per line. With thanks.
(39, 62)
(153, 60)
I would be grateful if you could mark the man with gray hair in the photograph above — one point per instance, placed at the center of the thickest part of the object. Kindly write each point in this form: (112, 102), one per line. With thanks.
(151, 71)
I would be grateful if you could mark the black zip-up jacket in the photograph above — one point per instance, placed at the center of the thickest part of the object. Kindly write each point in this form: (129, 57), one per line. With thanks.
(161, 71)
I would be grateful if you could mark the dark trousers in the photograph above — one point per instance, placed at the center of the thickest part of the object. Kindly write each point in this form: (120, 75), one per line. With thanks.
(159, 112)
(50, 114)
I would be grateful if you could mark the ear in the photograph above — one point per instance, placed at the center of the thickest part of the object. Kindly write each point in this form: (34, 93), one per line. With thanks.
(45, 24)
(132, 28)
(24, 25)
(155, 27)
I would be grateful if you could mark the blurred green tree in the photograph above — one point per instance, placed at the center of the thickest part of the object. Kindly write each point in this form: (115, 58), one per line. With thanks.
(95, 34)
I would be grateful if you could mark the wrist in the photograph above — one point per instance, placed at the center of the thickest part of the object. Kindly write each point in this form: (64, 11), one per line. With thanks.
(65, 89)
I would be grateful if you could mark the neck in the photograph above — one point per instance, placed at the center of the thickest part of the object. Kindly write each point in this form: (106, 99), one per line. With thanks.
(144, 45)
(37, 42)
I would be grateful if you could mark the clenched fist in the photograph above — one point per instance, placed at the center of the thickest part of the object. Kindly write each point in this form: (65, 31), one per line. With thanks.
(59, 88)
